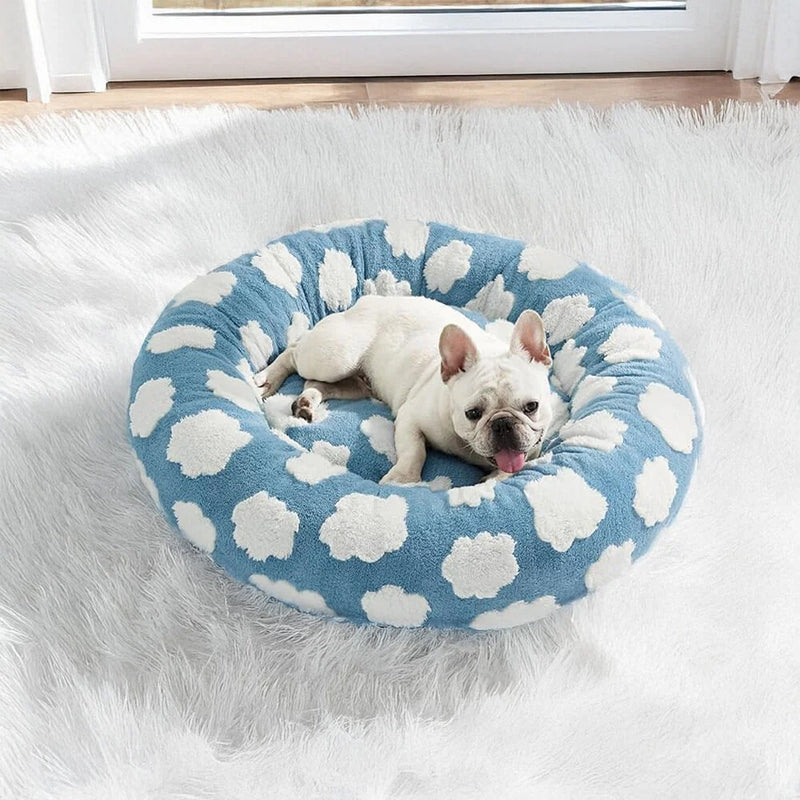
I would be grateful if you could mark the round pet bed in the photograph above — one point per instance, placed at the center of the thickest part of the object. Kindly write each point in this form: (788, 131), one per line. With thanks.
(295, 508)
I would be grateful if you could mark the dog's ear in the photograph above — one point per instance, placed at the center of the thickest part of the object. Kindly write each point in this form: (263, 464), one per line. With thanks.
(528, 338)
(457, 350)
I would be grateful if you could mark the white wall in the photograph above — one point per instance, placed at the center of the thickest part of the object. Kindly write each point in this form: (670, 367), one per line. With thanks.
(12, 74)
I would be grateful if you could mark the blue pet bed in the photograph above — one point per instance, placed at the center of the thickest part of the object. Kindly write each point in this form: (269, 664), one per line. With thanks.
(295, 508)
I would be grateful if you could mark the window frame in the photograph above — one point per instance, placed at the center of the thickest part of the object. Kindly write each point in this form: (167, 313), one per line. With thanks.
(143, 45)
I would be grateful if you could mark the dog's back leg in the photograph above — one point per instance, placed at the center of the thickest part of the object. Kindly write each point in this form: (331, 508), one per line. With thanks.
(335, 347)
(331, 351)
(316, 392)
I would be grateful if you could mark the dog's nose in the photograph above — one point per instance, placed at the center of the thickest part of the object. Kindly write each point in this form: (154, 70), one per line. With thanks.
(501, 425)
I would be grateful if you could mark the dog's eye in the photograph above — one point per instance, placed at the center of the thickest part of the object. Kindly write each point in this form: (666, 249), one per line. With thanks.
(530, 408)
(473, 414)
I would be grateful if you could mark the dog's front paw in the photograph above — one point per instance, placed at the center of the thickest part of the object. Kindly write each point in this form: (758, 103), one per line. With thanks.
(400, 476)
(266, 387)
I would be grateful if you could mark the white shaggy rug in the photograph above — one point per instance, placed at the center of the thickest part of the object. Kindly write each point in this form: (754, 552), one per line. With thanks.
(130, 667)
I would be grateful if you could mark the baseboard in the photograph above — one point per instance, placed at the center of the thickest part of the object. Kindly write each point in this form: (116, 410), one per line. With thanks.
(77, 82)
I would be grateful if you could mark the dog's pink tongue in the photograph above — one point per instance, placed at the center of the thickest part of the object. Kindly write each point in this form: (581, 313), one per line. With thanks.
(510, 460)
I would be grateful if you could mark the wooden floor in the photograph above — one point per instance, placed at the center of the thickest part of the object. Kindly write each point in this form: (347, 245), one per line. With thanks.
(684, 89)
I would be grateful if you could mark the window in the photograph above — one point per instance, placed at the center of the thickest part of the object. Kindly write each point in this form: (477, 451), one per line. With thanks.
(453, 37)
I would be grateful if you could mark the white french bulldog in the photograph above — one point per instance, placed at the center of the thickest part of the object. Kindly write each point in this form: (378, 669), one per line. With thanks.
(447, 381)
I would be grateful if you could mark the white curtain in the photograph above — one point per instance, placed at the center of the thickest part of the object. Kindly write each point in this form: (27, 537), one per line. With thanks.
(765, 40)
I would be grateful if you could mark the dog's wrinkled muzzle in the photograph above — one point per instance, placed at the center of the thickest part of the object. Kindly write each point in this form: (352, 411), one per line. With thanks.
(509, 457)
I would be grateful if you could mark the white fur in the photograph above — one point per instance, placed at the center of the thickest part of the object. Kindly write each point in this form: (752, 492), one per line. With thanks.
(591, 387)
(337, 279)
(203, 443)
(629, 342)
(472, 495)
(312, 468)
(567, 367)
(655, 490)
(280, 267)
(132, 667)
(246, 371)
(298, 327)
(539, 263)
(305, 599)
(560, 414)
(501, 328)
(601, 430)
(152, 402)
(234, 389)
(613, 563)
(182, 336)
(446, 265)
(565, 508)
(392, 605)
(518, 613)
(672, 414)
(195, 525)
(380, 432)
(387, 285)
(264, 527)
(639, 306)
(343, 534)
(335, 453)
(407, 237)
(481, 566)
(441, 483)
(287, 439)
(493, 301)
(257, 343)
(149, 484)
(209, 289)
(327, 227)
(565, 316)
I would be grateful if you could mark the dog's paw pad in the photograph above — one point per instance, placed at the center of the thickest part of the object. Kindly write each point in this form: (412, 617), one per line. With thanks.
(305, 414)
(303, 407)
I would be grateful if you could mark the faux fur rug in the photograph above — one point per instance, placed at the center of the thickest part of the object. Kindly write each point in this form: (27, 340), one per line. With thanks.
(130, 667)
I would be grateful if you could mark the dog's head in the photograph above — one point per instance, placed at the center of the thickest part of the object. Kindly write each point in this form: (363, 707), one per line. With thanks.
(499, 405)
